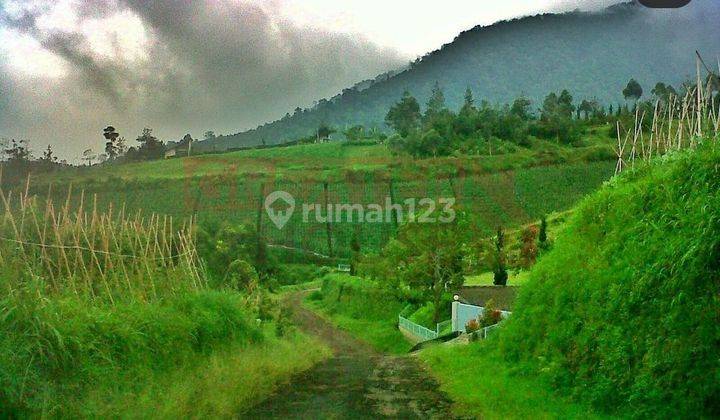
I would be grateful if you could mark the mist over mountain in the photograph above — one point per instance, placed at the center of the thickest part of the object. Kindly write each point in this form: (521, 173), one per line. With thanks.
(592, 54)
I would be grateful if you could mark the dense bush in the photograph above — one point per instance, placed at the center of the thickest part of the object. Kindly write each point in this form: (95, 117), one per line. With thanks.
(53, 352)
(624, 311)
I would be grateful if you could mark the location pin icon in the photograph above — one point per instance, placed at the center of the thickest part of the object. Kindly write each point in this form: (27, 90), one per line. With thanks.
(279, 206)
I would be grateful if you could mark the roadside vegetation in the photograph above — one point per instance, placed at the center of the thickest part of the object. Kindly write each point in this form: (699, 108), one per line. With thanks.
(619, 312)
(103, 309)
(362, 308)
(482, 385)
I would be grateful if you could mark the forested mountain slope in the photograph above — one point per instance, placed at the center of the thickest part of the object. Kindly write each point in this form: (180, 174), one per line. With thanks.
(591, 54)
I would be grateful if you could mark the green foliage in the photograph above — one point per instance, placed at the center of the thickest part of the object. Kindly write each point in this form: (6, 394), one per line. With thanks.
(404, 117)
(53, 352)
(482, 385)
(633, 90)
(500, 274)
(150, 147)
(365, 308)
(240, 275)
(222, 244)
(289, 274)
(426, 258)
(509, 189)
(623, 310)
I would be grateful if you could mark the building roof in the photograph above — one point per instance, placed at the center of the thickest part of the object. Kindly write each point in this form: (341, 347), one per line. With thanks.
(502, 296)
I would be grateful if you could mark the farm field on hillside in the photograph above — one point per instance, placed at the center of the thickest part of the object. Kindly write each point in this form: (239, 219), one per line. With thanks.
(507, 198)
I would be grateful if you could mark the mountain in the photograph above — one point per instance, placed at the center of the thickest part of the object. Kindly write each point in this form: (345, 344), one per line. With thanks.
(593, 54)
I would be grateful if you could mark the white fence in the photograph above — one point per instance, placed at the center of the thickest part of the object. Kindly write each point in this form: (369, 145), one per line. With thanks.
(422, 333)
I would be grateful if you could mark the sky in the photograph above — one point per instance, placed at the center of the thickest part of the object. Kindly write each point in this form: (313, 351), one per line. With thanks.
(68, 68)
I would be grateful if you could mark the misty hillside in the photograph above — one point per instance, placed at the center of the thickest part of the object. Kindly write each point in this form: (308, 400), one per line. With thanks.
(591, 54)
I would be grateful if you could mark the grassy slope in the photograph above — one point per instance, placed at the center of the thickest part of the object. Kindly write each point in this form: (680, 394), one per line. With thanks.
(482, 386)
(359, 307)
(66, 356)
(220, 385)
(623, 313)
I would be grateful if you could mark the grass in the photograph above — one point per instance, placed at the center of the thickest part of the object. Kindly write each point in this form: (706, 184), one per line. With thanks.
(622, 313)
(104, 313)
(362, 309)
(484, 386)
(516, 278)
(221, 385)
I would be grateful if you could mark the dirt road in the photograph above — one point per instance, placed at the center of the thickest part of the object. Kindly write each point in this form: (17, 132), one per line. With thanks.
(356, 383)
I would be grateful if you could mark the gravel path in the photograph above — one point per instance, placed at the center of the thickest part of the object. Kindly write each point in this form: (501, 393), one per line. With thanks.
(356, 383)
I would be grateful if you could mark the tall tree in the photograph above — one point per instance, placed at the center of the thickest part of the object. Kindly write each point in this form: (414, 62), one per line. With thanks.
(521, 107)
(427, 259)
(150, 147)
(633, 91)
(404, 116)
(500, 272)
(111, 145)
(48, 156)
(436, 103)
(565, 104)
(469, 102)
(89, 156)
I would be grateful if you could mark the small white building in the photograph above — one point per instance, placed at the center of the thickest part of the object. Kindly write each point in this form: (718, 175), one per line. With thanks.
(179, 149)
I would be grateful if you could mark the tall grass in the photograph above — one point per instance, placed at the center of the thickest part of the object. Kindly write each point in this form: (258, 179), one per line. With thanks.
(97, 255)
(100, 304)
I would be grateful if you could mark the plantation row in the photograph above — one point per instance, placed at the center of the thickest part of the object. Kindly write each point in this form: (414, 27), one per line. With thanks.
(505, 198)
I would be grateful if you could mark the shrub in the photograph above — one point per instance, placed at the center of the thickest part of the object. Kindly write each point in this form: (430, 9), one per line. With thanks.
(240, 275)
(472, 326)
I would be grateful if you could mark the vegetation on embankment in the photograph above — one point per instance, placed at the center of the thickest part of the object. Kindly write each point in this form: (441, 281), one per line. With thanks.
(100, 313)
(194, 355)
(623, 312)
(362, 308)
(482, 385)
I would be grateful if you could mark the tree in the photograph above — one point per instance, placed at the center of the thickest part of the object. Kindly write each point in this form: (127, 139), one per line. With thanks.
(521, 108)
(633, 91)
(48, 158)
(150, 147)
(89, 156)
(565, 104)
(355, 133)
(324, 131)
(550, 106)
(500, 274)
(404, 116)
(209, 135)
(468, 107)
(586, 107)
(18, 152)
(355, 250)
(435, 105)
(426, 258)
(111, 145)
(542, 236)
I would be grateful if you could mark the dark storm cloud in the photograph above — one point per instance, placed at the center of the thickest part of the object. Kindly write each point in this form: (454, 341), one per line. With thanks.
(219, 65)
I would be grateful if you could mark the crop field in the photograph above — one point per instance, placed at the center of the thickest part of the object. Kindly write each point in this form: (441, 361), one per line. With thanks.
(506, 198)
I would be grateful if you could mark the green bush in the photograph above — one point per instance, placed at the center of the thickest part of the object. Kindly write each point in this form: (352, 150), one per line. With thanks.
(624, 311)
(54, 351)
